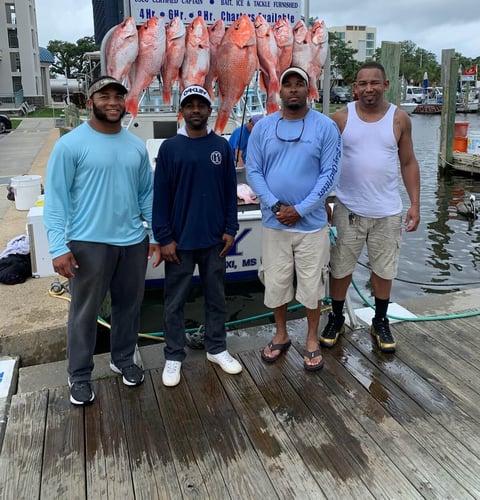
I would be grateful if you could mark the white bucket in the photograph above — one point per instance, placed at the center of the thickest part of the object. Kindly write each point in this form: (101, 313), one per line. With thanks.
(26, 188)
(473, 142)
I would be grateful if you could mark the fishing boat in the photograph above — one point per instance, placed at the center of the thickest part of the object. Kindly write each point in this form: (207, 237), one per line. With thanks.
(468, 102)
(408, 107)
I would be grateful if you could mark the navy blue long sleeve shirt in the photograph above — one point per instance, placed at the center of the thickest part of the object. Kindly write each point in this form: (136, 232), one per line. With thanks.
(195, 192)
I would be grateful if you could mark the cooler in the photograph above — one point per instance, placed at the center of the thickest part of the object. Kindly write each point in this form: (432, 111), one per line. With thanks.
(41, 260)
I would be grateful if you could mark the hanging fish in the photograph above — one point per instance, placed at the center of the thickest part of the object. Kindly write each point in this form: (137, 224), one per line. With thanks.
(215, 34)
(236, 64)
(267, 52)
(151, 51)
(319, 38)
(174, 54)
(282, 31)
(303, 53)
(121, 49)
(196, 62)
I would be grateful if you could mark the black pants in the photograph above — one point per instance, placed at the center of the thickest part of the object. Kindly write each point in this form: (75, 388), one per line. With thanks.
(121, 270)
(178, 278)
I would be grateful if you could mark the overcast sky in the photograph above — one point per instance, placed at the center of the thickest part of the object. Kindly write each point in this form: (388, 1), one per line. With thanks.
(432, 25)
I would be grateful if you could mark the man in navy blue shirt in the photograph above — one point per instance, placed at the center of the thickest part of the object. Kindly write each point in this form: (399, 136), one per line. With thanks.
(195, 222)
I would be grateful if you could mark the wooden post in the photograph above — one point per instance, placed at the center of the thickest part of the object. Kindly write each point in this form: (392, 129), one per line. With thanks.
(390, 60)
(449, 81)
(326, 84)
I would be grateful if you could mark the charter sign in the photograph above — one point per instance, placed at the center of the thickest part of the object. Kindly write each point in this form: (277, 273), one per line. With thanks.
(213, 10)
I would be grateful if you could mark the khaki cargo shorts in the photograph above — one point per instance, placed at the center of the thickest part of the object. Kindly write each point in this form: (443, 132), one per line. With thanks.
(286, 254)
(382, 236)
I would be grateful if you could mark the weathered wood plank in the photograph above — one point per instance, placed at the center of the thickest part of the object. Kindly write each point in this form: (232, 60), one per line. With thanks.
(320, 453)
(22, 450)
(434, 364)
(349, 397)
(442, 409)
(151, 462)
(380, 473)
(237, 461)
(107, 463)
(286, 468)
(459, 348)
(63, 473)
(463, 465)
(193, 458)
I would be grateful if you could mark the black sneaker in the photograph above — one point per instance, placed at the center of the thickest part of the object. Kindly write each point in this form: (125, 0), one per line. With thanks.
(381, 331)
(132, 374)
(81, 393)
(331, 332)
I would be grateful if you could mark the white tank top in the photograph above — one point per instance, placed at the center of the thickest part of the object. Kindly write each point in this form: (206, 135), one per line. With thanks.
(368, 184)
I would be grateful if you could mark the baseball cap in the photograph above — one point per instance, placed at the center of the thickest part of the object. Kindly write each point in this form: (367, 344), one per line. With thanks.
(195, 90)
(255, 118)
(294, 69)
(103, 82)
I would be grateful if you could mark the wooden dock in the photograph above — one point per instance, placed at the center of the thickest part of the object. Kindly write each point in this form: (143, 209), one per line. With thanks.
(368, 425)
(466, 162)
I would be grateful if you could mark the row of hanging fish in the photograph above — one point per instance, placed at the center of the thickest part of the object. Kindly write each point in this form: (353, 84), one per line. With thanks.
(214, 57)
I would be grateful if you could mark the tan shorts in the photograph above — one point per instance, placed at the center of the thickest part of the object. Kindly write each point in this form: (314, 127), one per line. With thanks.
(286, 254)
(382, 236)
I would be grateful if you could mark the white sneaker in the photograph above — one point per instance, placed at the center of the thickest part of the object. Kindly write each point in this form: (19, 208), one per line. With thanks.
(227, 362)
(171, 373)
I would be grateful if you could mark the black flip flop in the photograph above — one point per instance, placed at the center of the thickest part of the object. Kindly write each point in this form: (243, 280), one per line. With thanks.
(275, 347)
(311, 355)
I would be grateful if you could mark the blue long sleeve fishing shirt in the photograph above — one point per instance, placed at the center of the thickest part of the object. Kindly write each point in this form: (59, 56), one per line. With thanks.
(99, 188)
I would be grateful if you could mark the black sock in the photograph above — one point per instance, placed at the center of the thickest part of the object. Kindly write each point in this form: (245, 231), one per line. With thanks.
(337, 308)
(381, 306)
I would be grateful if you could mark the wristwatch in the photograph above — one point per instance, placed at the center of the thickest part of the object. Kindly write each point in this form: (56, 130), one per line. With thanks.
(276, 208)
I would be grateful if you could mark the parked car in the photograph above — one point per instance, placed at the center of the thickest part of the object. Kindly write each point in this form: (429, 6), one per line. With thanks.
(5, 124)
(414, 94)
(340, 94)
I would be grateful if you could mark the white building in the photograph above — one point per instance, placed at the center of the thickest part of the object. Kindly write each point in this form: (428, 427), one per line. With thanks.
(362, 38)
(22, 77)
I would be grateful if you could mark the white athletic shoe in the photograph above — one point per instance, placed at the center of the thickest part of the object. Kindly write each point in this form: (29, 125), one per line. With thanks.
(171, 373)
(226, 362)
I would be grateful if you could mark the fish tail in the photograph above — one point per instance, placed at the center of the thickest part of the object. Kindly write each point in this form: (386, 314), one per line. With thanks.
(167, 96)
(221, 121)
(272, 107)
(131, 105)
(313, 93)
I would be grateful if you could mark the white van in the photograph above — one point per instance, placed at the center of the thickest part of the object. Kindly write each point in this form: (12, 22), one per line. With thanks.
(414, 94)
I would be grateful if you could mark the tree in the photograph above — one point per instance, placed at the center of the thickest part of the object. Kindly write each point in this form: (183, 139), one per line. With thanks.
(342, 59)
(69, 56)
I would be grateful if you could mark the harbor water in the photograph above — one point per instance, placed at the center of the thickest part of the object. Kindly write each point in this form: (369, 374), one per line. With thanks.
(442, 256)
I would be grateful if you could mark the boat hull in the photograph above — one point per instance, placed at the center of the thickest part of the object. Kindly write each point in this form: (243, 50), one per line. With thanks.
(427, 109)
(242, 261)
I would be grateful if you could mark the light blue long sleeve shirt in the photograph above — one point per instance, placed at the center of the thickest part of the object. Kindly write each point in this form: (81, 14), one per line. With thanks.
(99, 188)
(301, 173)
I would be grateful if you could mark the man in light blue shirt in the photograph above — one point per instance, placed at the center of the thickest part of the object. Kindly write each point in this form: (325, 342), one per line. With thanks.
(294, 159)
(98, 195)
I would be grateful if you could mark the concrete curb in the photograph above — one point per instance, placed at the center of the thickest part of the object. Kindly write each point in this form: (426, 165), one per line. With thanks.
(8, 383)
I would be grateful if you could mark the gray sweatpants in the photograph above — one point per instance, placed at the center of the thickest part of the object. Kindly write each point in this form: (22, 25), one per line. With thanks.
(104, 267)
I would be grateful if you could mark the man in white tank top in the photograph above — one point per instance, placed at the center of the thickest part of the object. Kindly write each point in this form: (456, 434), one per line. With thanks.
(377, 138)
